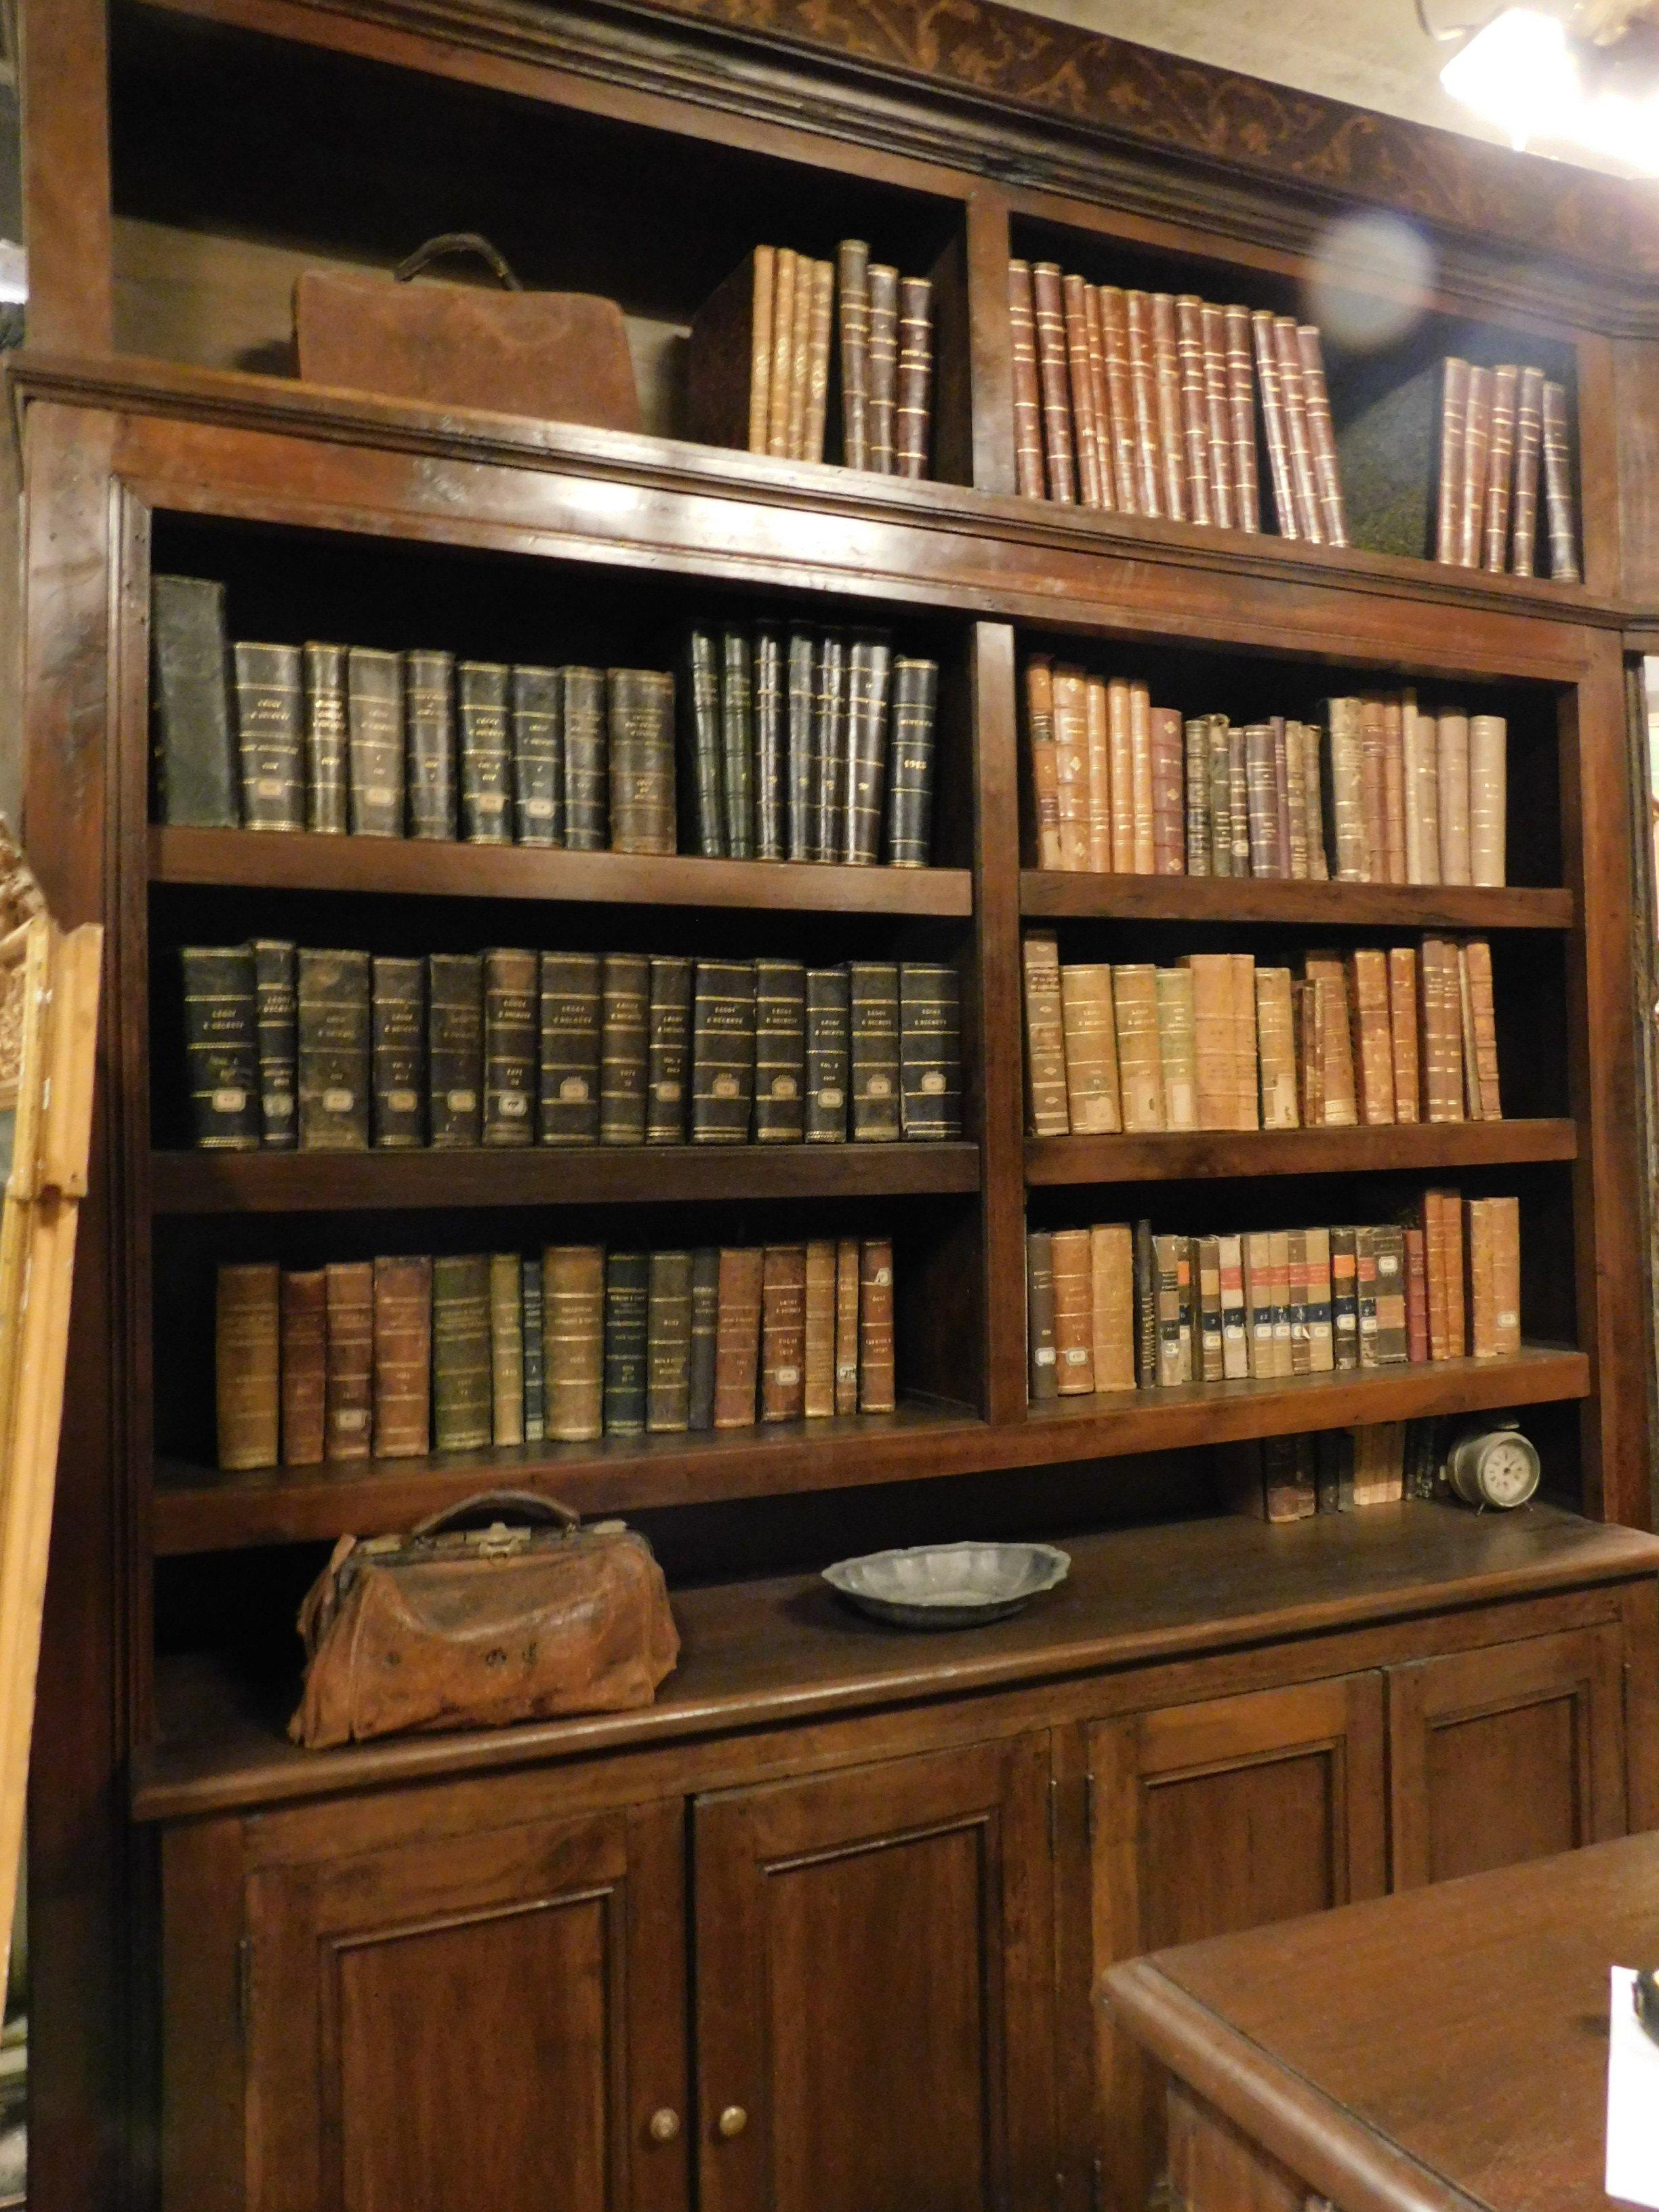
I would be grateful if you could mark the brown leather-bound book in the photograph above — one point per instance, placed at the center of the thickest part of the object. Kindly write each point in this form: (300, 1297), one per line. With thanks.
(304, 1303)
(1321, 435)
(1261, 810)
(1296, 802)
(349, 1407)
(1172, 1276)
(1098, 737)
(1241, 411)
(1074, 1364)
(1328, 980)
(883, 367)
(1215, 1074)
(1495, 534)
(1529, 446)
(1112, 1305)
(506, 1347)
(1120, 745)
(846, 1325)
(1281, 759)
(1140, 1065)
(1319, 866)
(1246, 1082)
(1442, 1032)
(1177, 1048)
(1168, 792)
(737, 1336)
(1417, 1295)
(1345, 791)
(783, 1332)
(668, 1344)
(1143, 388)
(1394, 711)
(1449, 500)
(1196, 746)
(1503, 1230)
(1488, 798)
(1140, 771)
(853, 317)
(1054, 379)
(1238, 798)
(1304, 1010)
(1171, 424)
(1368, 976)
(1420, 756)
(1028, 392)
(1403, 1032)
(1558, 486)
(1466, 1037)
(1041, 1356)
(914, 412)
(729, 358)
(1093, 1101)
(1374, 786)
(1218, 416)
(1070, 726)
(1194, 406)
(403, 1357)
(1275, 1030)
(1081, 385)
(1477, 450)
(789, 275)
(1096, 329)
(1477, 964)
(1273, 416)
(573, 1326)
(1457, 1327)
(819, 319)
(1046, 1111)
(247, 1364)
(818, 1360)
(1112, 310)
(877, 1388)
(1045, 763)
(642, 750)
(1298, 436)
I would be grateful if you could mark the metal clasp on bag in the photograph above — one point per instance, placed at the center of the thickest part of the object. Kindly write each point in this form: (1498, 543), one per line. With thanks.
(497, 1541)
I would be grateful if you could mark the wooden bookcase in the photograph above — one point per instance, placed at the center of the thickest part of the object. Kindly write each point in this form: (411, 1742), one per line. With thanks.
(187, 158)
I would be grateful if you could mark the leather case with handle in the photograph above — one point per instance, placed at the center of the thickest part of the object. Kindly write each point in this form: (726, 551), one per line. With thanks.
(560, 355)
(454, 1626)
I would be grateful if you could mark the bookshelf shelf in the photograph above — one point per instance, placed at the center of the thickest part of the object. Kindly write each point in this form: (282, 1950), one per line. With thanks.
(1051, 894)
(1433, 1148)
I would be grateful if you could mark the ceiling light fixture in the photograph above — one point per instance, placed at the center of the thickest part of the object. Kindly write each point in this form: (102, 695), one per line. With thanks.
(1588, 79)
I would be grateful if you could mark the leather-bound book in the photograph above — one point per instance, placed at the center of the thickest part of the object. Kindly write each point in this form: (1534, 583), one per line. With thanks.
(454, 1050)
(534, 698)
(1120, 779)
(1261, 800)
(1452, 749)
(327, 808)
(1028, 395)
(1448, 501)
(1275, 1048)
(624, 1007)
(668, 1344)
(571, 1021)
(1140, 1072)
(1046, 1111)
(1074, 295)
(1218, 795)
(881, 407)
(737, 1336)
(819, 326)
(1195, 746)
(853, 331)
(1465, 1036)
(729, 358)
(1296, 1244)
(1417, 1296)
(430, 742)
(1166, 391)
(247, 1361)
(1172, 1266)
(1495, 533)
(783, 1332)
(627, 1316)
(705, 1308)
(1529, 446)
(1504, 1242)
(532, 1318)
(910, 806)
(1477, 450)
(586, 759)
(801, 775)
(1392, 1345)
(827, 1050)
(1214, 1071)
(573, 1300)
(780, 374)
(1558, 486)
(1111, 1306)
(1319, 866)
(1327, 981)
(1321, 435)
(1071, 727)
(1394, 712)
(1041, 1352)
(1106, 315)
(304, 1365)
(334, 1029)
(198, 771)
(506, 1348)
(831, 707)
(1298, 435)
(641, 731)
(375, 741)
(1241, 411)
(1194, 406)
(402, 1358)
(1168, 792)
(869, 679)
(1293, 796)
(1321, 1353)
(1177, 1047)
(1241, 966)
(771, 751)
(1477, 966)
(511, 1024)
(269, 701)
(722, 1052)
(1054, 379)
(737, 745)
(667, 1048)
(1266, 340)
(846, 1325)
(276, 1007)
(1368, 978)
(1044, 756)
(1452, 1235)
(1146, 1265)
(913, 415)
(1074, 1359)
(350, 1400)
(485, 738)
(1093, 1104)
(1143, 388)
(809, 334)
(1345, 791)
(1488, 798)
(221, 1045)
(1234, 1333)
(930, 1052)
(1403, 1032)
(706, 776)
(1373, 746)
(1344, 1299)
(1420, 751)
(1441, 1031)
(874, 1035)
(819, 1331)
(876, 1368)
(1238, 800)
(1364, 1283)
(1140, 769)
(1218, 414)
(780, 1052)
(398, 1051)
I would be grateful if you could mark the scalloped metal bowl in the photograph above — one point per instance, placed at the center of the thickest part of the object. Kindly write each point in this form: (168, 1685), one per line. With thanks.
(948, 1585)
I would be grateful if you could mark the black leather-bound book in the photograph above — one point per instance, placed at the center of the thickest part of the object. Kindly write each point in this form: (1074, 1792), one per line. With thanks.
(829, 720)
(737, 743)
(827, 1070)
(872, 994)
(375, 718)
(568, 1113)
(627, 1306)
(327, 811)
(586, 770)
(485, 752)
(454, 998)
(801, 724)
(910, 802)
(705, 781)
(668, 1345)
(511, 1020)
(220, 1046)
(771, 747)
(705, 1313)
(930, 1051)
(537, 757)
(197, 773)
(269, 694)
(779, 1051)
(722, 1052)
(333, 1027)
(276, 1013)
(668, 1050)
(398, 989)
(625, 998)
(869, 670)
(641, 708)
(429, 717)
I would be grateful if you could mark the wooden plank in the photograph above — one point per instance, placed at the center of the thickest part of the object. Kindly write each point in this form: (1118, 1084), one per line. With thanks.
(1050, 892)
(1429, 1145)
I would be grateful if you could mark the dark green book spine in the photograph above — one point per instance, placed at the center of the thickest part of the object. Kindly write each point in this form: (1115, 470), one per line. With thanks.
(771, 748)
(221, 1045)
(326, 808)
(668, 1345)
(334, 1051)
(374, 721)
(429, 713)
(722, 1052)
(705, 783)
(198, 775)
(801, 778)
(668, 1050)
(454, 994)
(869, 674)
(737, 743)
(462, 1418)
(627, 1306)
(486, 773)
(641, 708)
(537, 757)
(705, 1318)
(570, 1026)
(910, 802)
(930, 1052)
(829, 746)
(625, 998)
(587, 769)
(269, 696)
(276, 1012)
(535, 1369)
(1146, 1307)
(779, 1051)
(511, 1020)
(872, 996)
(398, 989)
(827, 1066)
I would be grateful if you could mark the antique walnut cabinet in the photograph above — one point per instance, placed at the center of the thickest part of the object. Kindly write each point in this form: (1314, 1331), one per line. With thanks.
(819, 1931)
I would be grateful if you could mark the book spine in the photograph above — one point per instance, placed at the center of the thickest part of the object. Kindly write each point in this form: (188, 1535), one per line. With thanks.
(1119, 393)
(429, 737)
(820, 319)
(737, 741)
(883, 366)
(1558, 486)
(1394, 712)
(573, 1300)
(304, 1365)
(1143, 388)
(1075, 313)
(722, 1052)
(1319, 866)
(268, 732)
(780, 1052)
(247, 1364)
(799, 342)
(1042, 1357)
(1194, 406)
(1261, 800)
(533, 1325)
(327, 808)
(1045, 762)
(1404, 1033)
(1218, 415)
(763, 284)
(873, 1035)
(1294, 798)
(624, 1004)
(930, 1052)
(1171, 424)
(461, 1409)
(511, 995)
(486, 750)
(1488, 798)
(627, 1312)
(1499, 472)
(1238, 800)
(1177, 1048)
(1477, 962)
(1528, 443)
(831, 718)
(668, 1345)
(913, 411)
(737, 1336)
(1045, 1067)
(819, 1331)
(853, 313)
(786, 274)
(801, 707)
(454, 1055)
(705, 1308)
(1140, 1069)
(667, 1048)
(1276, 1048)
(1272, 416)
(1028, 396)
(877, 1392)
(1417, 1297)
(1321, 434)
(1047, 300)
(221, 1051)
(846, 1325)
(397, 1052)
(1241, 411)
(333, 1033)
(1449, 504)
(1452, 755)
(537, 757)
(195, 762)
(1168, 792)
(1171, 1262)
(641, 731)
(1345, 791)
(587, 765)
(1477, 444)
(1218, 739)
(1368, 969)
(1196, 744)
(1140, 771)
(1099, 391)
(1074, 1358)
(402, 1358)
(827, 1047)
(570, 1000)
(771, 754)
(707, 776)
(1293, 406)
(1071, 728)
(783, 1332)
(1111, 1306)
(506, 1348)
(277, 1016)
(863, 809)
(1092, 1096)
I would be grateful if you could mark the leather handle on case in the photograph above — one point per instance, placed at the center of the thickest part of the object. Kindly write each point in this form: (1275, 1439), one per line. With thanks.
(458, 241)
(527, 1503)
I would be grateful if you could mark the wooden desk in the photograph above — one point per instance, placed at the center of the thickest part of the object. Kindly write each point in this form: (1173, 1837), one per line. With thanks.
(1437, 2051)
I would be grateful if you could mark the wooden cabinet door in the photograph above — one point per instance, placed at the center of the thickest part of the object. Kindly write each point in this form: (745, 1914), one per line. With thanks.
(484, 2022)
(1208, 1817)
(1515, 1752)
(875, 1972)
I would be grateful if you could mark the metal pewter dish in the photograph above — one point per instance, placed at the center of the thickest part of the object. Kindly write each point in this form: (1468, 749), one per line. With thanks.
(948, 1585)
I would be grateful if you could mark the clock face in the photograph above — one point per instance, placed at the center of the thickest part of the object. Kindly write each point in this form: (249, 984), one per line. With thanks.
(1508, 1473)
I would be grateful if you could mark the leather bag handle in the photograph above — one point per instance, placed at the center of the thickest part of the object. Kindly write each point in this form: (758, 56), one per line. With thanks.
(525, 1502)
(458, 241)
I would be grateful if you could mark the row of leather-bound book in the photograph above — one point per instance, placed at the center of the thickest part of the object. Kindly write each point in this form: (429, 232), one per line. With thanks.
(1372, 791)
(339, 1051)
(1498, 429)
(1335, 1471)
(396, 1357)
(1118, 1308)
(1380, 1037)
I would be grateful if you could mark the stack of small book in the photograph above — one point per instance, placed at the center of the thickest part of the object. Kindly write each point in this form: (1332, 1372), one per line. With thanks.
(1374, 791)
(1496, 425)
(513, 1048)
(391, 1358)
(1114, 1307)
(1291, 1477)
(807, 744)
(1220, 1042)
(766, 348)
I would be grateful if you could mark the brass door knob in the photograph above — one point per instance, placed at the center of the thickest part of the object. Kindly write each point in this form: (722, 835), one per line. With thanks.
(664, 2124)
(733, 2121)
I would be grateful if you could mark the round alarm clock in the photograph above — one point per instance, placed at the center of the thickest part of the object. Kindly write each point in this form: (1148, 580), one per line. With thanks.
(1497, 1467)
